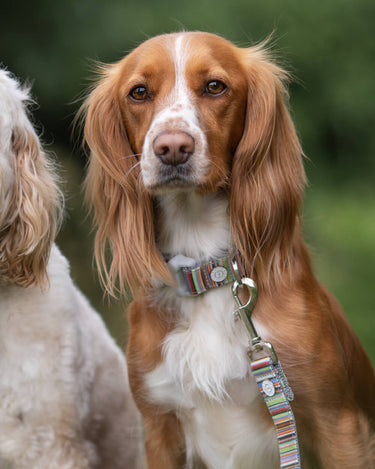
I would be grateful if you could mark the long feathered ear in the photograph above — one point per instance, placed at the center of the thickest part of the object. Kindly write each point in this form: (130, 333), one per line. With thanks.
(32, 205)
(123, 211)
(267, 174)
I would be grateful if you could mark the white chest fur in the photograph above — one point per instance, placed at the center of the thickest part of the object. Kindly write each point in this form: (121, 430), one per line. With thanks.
(205, 376)
(205, 379)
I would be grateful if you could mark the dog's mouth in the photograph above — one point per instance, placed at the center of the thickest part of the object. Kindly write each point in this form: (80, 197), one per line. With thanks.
(176, 175)
(169, 178)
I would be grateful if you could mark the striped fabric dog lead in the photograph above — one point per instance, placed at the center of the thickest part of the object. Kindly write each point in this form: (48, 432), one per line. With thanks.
(270, 378)
(277, 394)
(212, 274)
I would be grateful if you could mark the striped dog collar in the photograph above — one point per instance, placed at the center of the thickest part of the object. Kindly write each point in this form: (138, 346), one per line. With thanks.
(194, 279)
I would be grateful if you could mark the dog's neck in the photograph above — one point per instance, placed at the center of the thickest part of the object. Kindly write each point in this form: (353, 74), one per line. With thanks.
(193, 225)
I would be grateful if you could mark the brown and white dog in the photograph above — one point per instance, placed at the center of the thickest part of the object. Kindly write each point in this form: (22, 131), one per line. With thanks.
(194, 154)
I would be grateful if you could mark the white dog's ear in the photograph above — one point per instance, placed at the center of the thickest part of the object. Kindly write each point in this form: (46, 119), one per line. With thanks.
(31, 207)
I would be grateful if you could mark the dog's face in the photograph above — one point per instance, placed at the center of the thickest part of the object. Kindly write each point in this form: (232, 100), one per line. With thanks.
(183, 100)
(192, 111)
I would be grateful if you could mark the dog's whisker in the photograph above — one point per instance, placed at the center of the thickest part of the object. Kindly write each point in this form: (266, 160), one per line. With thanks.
(221, 170)
(135, 155)
(132, 169)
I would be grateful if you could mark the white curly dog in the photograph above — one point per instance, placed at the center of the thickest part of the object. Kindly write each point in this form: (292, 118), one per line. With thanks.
(64, 394)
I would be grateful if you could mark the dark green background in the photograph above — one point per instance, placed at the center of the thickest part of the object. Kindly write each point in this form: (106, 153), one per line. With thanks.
(330, 48)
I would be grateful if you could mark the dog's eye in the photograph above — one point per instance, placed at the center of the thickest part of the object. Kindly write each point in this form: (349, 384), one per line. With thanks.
(139, 93)
(215, 87)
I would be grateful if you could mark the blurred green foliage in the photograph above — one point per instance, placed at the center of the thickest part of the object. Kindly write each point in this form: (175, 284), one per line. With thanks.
(329, 47)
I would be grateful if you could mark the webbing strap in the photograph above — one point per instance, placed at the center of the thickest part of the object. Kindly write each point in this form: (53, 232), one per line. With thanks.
(276, 392)
(214, 273)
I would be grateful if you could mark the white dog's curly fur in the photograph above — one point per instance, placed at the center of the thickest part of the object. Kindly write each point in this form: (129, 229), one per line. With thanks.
(64, 395)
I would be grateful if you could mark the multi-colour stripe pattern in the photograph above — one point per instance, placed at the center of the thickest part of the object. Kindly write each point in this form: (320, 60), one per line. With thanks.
(213, 274)
(276, 392)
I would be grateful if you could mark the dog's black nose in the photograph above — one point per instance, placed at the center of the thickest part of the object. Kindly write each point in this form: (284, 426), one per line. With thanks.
(174, 148)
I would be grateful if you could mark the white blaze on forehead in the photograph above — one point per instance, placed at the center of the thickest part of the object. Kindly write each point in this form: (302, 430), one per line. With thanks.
(179, 103)
(180, 58)
(177, 113)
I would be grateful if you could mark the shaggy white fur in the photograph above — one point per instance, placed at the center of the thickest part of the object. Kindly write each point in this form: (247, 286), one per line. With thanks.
(65, 401)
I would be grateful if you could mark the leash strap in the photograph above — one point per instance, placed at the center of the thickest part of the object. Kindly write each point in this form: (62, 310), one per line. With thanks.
(270, 378)
(276, 392)
(212, 274)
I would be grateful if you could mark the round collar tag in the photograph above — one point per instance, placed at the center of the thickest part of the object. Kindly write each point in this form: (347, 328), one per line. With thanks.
(219, 274)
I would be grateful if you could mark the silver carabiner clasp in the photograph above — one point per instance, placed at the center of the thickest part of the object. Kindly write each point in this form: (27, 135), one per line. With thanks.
(245, 311)
(253, 293)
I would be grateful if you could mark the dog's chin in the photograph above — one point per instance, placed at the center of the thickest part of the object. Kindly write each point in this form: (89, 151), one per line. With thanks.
(173, 180)
(172, 186)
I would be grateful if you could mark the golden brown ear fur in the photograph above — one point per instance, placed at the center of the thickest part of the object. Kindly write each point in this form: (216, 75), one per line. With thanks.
(267, 175)
(31, 208)
(123, 211)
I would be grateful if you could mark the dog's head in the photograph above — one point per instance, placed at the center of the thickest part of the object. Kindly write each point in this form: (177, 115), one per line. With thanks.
(30, 203)
(192, 111)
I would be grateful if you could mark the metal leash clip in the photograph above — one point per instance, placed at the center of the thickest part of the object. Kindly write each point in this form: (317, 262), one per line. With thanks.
(245, 311)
